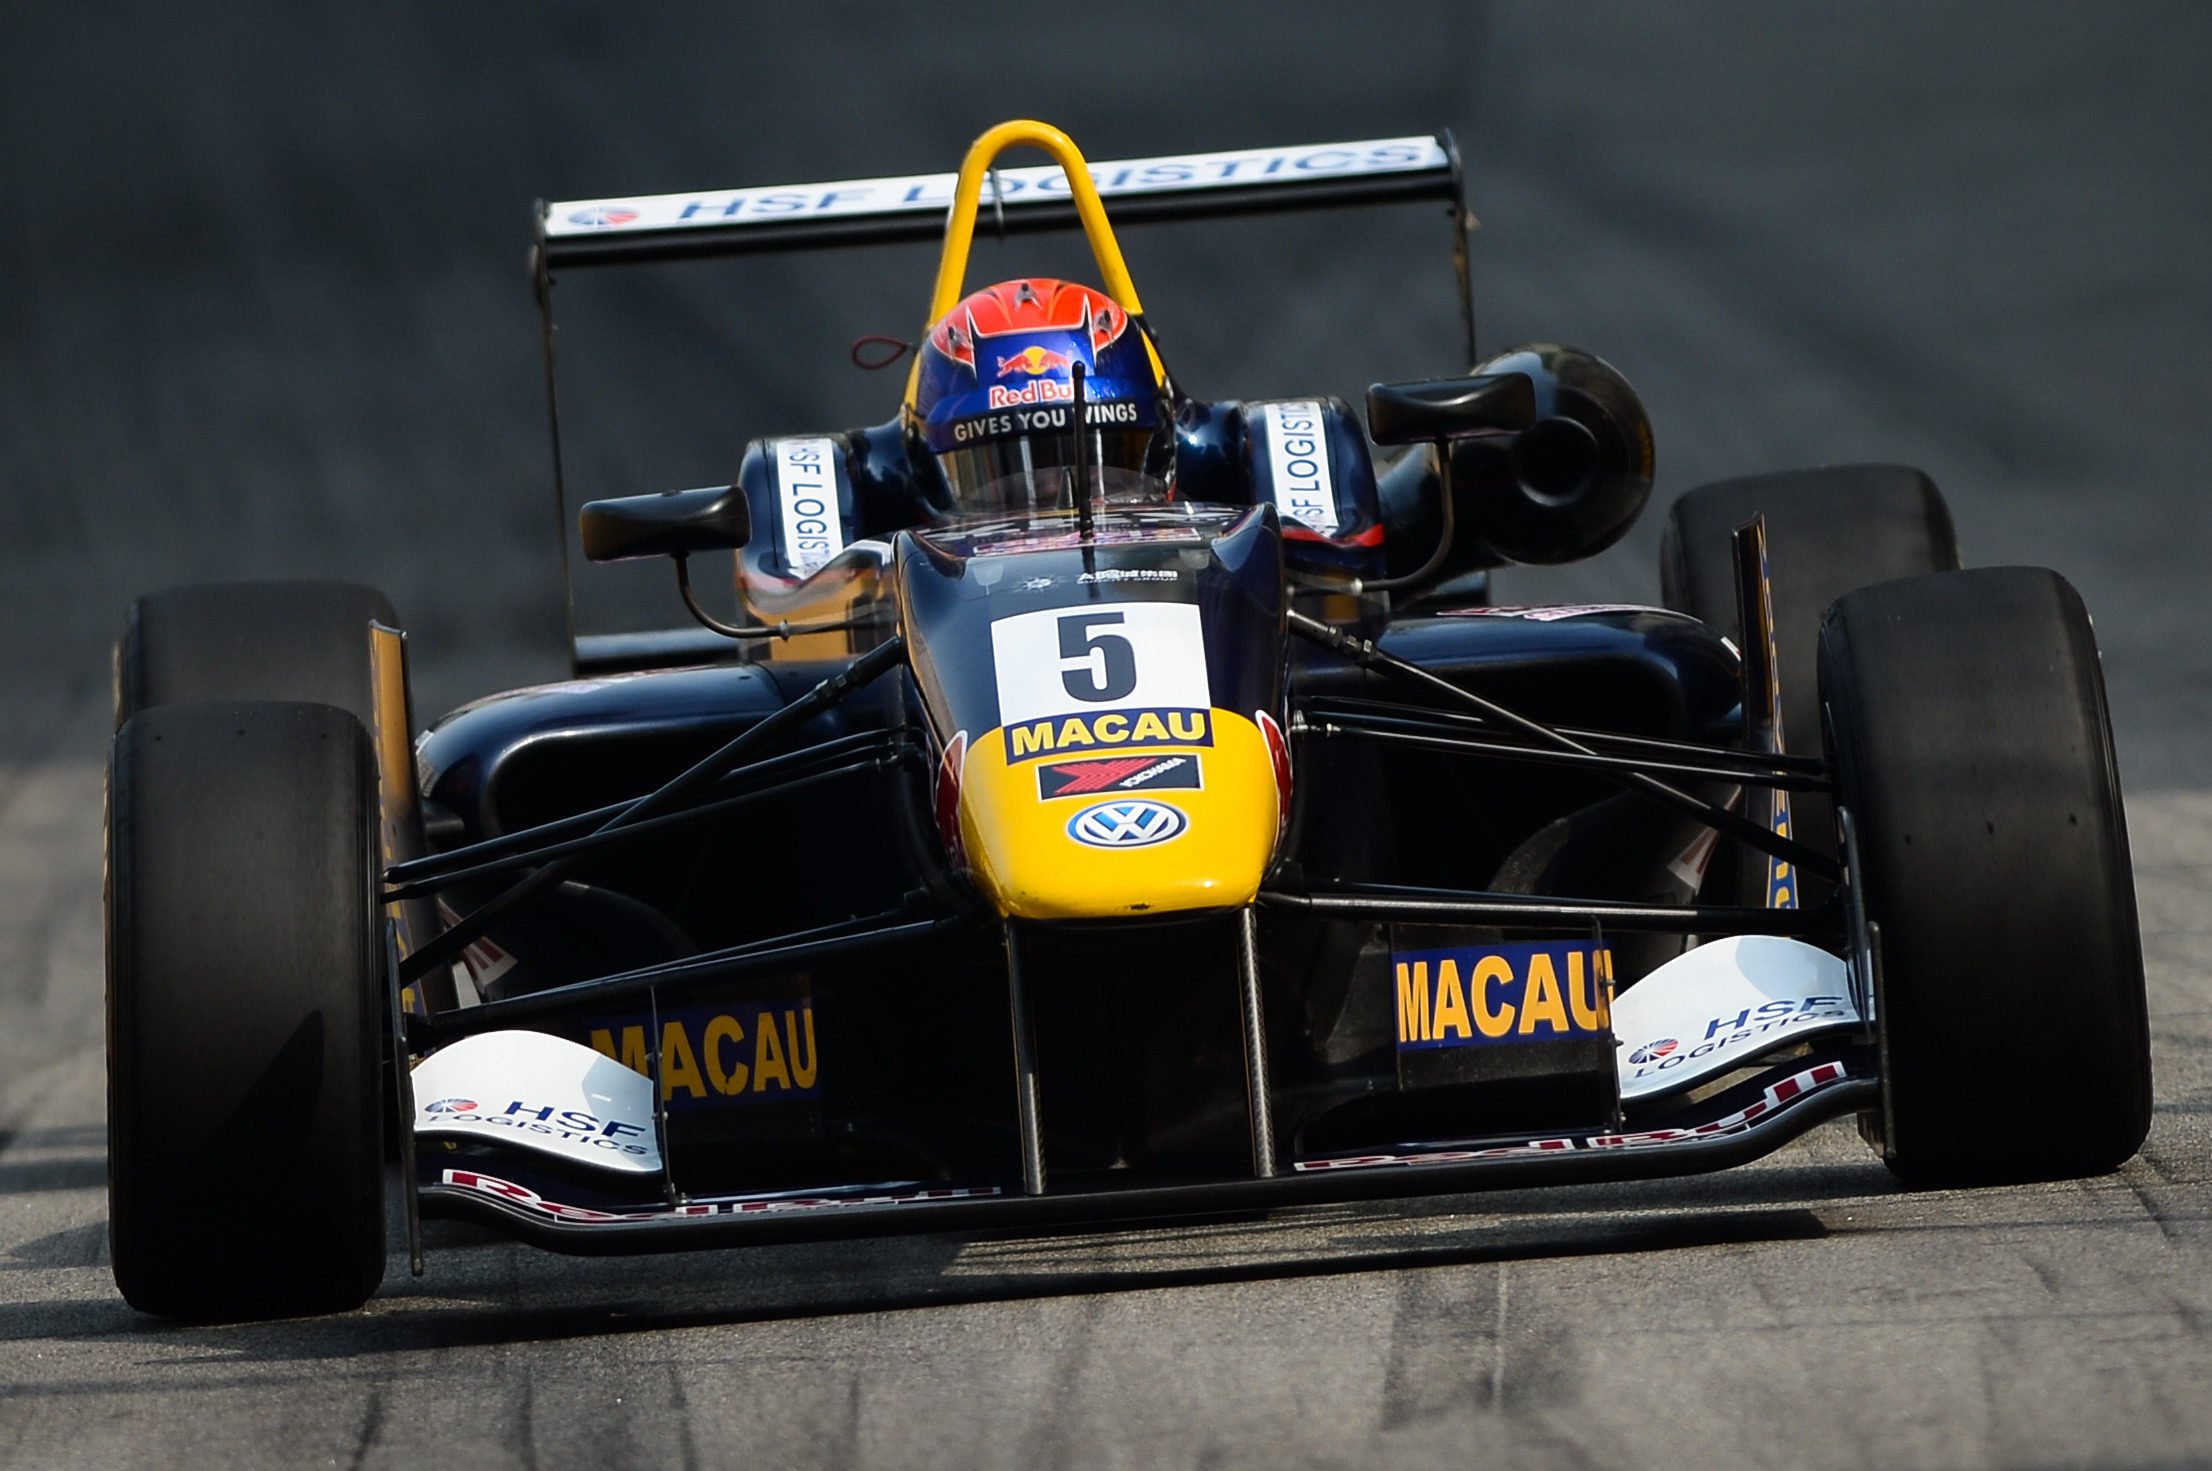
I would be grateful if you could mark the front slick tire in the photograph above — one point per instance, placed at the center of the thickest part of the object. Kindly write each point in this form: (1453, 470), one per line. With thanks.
(245, 945)
(1973, 750)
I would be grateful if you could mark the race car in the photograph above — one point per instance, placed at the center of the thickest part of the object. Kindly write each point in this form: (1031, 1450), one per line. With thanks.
(1112, 804)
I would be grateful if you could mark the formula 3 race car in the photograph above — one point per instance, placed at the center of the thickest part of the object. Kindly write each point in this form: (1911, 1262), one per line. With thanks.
(1123, 839)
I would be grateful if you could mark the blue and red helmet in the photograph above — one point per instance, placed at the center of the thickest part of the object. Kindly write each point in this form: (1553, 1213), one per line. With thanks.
(995, 390)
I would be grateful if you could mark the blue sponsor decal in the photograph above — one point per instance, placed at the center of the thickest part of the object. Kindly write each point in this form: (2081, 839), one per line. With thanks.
(1114, 730)
(744, 1052)
(1781, 878)
(1499, 995)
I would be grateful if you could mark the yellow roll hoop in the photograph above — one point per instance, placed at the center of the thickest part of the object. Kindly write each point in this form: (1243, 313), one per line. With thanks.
(952, 265)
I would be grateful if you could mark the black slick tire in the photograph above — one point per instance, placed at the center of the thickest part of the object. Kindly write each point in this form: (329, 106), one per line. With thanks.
(1829, 530)
(1973, 750)
(251, 641)
(245, 1012)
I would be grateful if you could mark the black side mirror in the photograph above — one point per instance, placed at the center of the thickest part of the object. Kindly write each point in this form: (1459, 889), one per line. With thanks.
(1450, 408)
(671, 524)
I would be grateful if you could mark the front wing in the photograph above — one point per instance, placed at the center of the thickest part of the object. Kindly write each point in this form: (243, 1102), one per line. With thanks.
(1732, 1128)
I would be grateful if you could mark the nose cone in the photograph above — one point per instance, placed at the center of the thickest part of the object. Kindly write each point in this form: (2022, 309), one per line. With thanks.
(1121, 813)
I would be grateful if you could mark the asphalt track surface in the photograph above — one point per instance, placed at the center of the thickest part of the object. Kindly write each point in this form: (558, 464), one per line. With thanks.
(261, 311)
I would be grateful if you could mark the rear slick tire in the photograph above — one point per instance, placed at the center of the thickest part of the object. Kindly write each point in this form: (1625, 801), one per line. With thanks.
(245, 1012)
(251, 641)
(1829, 530)
(1973, 750)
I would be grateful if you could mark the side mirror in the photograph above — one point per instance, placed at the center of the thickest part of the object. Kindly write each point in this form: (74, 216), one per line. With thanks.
(671, 524)
(1450, 408)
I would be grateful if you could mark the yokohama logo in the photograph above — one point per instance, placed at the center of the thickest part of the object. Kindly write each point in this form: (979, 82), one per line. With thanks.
(1116, 774)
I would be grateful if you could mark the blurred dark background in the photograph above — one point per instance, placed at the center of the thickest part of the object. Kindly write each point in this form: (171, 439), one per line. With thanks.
(263, 308)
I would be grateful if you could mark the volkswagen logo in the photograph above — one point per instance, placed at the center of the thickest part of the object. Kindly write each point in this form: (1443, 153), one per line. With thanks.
(1126, 824)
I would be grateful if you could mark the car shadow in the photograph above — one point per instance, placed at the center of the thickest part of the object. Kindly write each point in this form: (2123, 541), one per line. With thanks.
(481, 1290)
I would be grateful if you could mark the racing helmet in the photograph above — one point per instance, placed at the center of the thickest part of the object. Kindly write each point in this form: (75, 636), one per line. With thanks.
(993, 400)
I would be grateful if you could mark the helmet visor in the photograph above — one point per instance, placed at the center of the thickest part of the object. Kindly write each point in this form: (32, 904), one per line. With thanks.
(1035, 473)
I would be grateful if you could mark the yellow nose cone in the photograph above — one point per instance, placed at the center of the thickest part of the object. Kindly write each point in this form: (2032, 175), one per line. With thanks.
(1120, 813)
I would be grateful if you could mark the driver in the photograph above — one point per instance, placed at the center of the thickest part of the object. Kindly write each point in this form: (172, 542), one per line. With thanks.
(993, 402)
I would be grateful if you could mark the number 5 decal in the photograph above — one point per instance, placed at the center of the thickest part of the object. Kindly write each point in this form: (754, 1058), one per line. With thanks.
(1105, 666)
(1066, 661)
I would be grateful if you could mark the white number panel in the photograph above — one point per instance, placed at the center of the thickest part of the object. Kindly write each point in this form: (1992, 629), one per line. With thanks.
(1107, 656)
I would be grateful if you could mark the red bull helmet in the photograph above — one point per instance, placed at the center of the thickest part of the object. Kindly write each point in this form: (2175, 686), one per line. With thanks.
(994, 399)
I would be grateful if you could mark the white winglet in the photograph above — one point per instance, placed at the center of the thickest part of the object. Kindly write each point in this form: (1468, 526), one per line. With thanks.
(1721, 1005)
(532, 1091)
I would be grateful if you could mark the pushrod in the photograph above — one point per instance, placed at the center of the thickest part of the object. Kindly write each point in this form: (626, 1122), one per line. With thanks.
(441, 949)
(563, 828)
(1611, 742)
(598, 839)
(1368, 655)
(734, 962)
(1508, 751)
(1526, 911)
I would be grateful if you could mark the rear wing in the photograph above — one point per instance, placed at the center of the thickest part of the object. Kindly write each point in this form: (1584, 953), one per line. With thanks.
(1192, 186)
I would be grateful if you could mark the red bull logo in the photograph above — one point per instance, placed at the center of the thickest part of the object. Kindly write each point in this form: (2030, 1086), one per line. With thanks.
(1035, 361)
(1035, 391)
